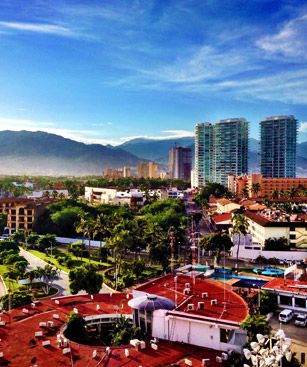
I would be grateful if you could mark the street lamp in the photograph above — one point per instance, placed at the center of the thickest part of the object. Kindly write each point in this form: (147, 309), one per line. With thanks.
(265, 354)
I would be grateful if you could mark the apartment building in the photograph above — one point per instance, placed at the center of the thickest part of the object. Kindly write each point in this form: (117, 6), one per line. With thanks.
(180, 163)
(147, 170)
(22, 213)
(267, 186)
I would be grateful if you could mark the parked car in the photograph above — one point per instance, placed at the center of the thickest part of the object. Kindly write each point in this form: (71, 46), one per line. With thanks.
(300, 320)
(286, 315)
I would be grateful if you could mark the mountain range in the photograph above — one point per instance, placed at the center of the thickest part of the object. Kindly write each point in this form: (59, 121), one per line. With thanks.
(40, 153)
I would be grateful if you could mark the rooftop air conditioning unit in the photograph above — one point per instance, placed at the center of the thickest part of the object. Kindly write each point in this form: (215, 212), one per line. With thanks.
(224, 356)
(219, 359)
(205, 362)
(204, 295)
(187, 285)
(201, 305)
(186, 291)
(190, 307)
(213, 302)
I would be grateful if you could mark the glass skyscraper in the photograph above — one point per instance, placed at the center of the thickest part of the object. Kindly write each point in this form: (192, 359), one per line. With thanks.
(180, 163)
(278, 146)
(220, 150)
(230, 149)
(203, 153)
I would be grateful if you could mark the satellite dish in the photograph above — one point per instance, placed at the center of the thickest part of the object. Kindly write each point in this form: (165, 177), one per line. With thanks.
(260, 338)
(247, 353)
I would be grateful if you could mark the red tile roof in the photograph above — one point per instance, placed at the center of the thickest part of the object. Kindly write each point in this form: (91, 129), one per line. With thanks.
(287, 285)
(20, 346)
(229, 308)
(222, 217)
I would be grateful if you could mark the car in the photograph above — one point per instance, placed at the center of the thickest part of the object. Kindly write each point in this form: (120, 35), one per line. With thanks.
(286, 315)
(300, 320)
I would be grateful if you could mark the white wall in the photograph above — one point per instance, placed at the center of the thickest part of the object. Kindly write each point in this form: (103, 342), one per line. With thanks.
(196, 332)
(281, 255)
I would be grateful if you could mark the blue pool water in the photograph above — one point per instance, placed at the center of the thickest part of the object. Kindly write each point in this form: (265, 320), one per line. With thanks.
(269, 271)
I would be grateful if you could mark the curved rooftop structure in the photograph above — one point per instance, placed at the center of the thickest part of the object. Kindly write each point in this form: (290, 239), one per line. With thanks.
(151, 302)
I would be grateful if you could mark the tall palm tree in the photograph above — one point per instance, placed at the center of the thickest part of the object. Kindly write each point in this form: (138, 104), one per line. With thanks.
(240, 226)
(101, 228)
(256, 187)
(86, 227)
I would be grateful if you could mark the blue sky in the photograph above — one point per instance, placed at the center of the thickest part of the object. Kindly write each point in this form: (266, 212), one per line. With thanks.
(105, 71)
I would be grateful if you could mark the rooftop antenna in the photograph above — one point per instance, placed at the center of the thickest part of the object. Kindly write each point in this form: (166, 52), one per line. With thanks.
(172, 239)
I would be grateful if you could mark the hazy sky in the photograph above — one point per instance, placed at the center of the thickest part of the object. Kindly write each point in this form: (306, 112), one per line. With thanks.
(102, 71)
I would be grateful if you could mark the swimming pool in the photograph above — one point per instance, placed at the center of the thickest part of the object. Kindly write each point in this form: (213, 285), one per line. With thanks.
(269, 271)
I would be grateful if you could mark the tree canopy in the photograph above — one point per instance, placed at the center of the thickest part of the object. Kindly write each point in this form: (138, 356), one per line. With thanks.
(85, 278)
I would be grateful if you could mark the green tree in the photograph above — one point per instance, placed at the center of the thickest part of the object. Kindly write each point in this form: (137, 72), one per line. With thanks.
(18, 237)
(244, 192)
(268, 302)
(16, 299)
(86, 278)
(86, 227)
(256, 187)
(256, 324)
(275, 194)
(3, 222)
(31, 239)
(211, 189)
(47, 242)
(48, 275)
(217, 243)
(65, 219)
(76, 328)
(240, 227)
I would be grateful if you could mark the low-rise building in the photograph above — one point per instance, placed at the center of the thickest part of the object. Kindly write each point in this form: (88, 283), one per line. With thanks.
(255, 185)
(226, 206)
(97, 195)
(291, 294)
(275, 224)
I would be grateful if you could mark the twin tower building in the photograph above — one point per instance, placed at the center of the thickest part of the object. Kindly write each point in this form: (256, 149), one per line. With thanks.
(221, 149)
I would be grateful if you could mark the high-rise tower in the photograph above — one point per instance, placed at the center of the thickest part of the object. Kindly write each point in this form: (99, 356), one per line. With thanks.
(230, 149)
(278, 146)
(180, 163)
(203, 153)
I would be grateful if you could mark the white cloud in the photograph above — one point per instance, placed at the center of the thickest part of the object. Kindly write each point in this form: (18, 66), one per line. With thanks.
(290, 41)
(303, 127)
(171, 134)
(55, 29)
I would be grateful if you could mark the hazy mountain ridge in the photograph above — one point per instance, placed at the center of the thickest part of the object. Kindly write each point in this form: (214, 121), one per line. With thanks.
(40, 153)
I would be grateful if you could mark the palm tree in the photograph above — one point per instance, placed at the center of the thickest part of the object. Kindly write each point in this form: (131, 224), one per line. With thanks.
(100, 227)
(275, 194)
(47, 274)
(31, 275)
(86, 227)
(291, 193)
(256, 187)
(244, 192)
(240, 226)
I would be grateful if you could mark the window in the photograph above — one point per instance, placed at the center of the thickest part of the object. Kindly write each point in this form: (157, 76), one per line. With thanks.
(224, 335)
(285, 300)
(29, 219)
(300, 302)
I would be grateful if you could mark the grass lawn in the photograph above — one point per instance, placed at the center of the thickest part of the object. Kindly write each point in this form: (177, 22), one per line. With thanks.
(54, 261)
(10, 283)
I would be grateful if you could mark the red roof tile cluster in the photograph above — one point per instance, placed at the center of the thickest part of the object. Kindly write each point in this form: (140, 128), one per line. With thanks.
(222, 217)
(22, 348)
(229, 305)
(287, 285)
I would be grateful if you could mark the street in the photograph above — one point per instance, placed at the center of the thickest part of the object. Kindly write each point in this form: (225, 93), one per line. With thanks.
(62, 283)
(296, 333)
